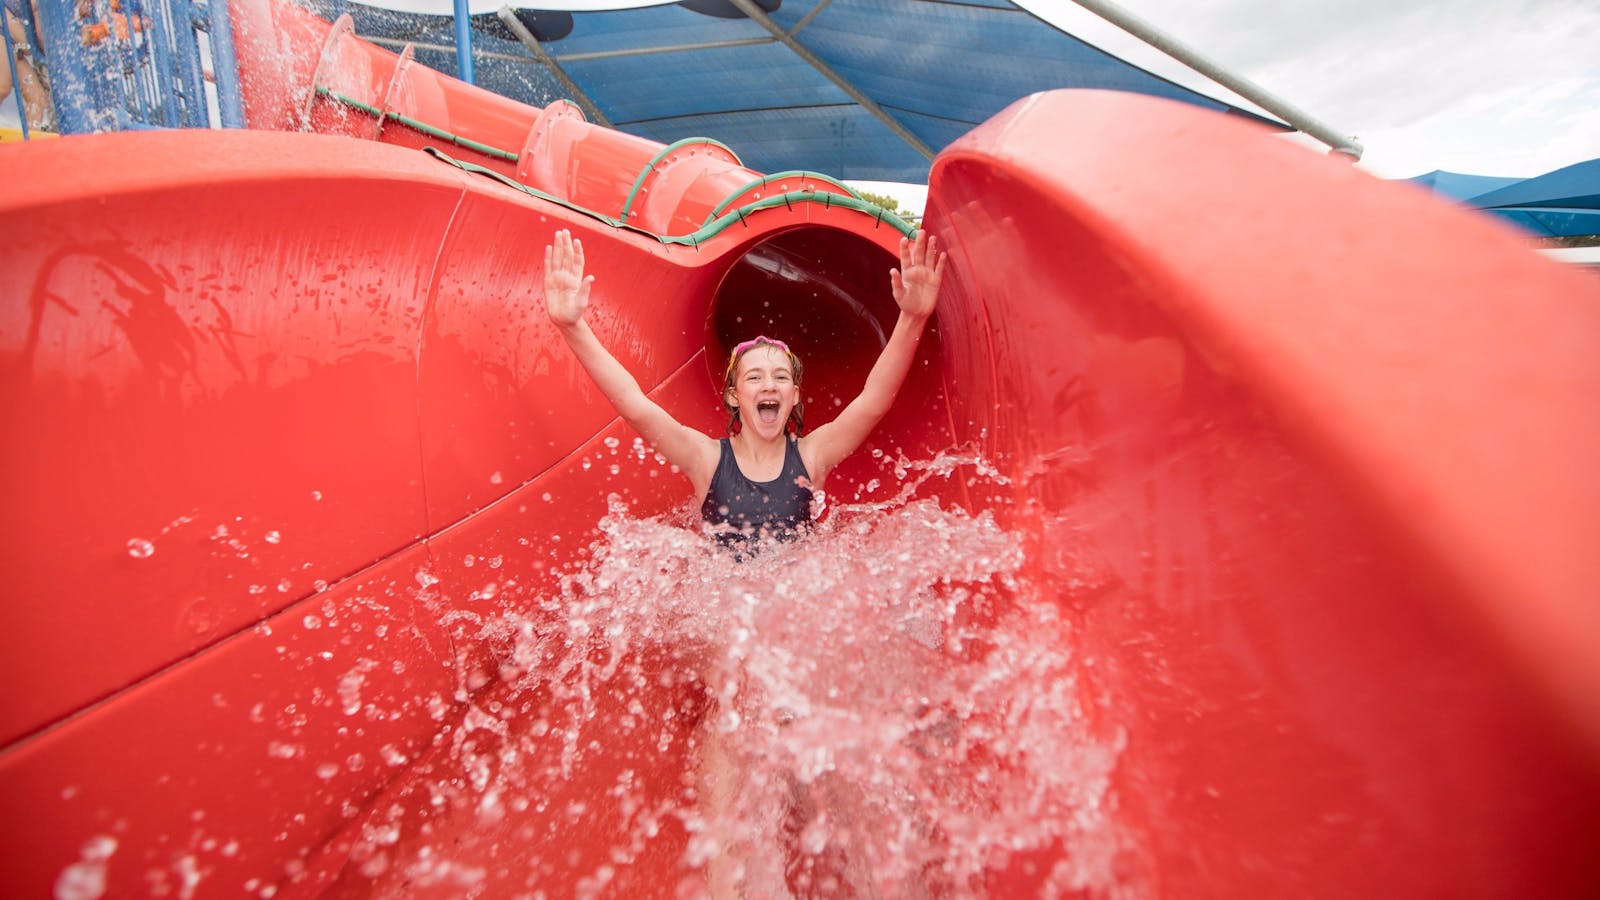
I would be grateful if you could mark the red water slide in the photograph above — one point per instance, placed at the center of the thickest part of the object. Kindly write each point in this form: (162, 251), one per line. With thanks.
(1308, 460)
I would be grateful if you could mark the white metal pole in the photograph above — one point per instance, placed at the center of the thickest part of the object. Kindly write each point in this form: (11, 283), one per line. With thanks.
(1240, 85)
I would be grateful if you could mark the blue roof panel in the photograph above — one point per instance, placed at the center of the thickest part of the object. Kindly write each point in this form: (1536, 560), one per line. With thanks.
(667, 72)
(726, 79)
(976, 60)
(1551, 222)
(1460, 186)
(1576, 186)
(650, 26)
(843, 138)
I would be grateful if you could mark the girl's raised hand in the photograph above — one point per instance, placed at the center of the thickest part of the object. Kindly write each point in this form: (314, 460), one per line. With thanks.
(916, 282)
(566, 288)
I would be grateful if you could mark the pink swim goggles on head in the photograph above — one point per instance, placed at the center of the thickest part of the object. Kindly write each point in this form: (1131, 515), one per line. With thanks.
(757, 340)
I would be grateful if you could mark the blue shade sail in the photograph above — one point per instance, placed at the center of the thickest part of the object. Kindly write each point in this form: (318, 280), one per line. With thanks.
(702, 69)
(1562, 203)
(1460, 186)
(1576, 187)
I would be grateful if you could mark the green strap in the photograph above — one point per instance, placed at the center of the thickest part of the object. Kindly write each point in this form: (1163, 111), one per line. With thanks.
(532, 192)
(716, 222)
(715, 226)
(764, 180)
(423, 127)
(638, 183)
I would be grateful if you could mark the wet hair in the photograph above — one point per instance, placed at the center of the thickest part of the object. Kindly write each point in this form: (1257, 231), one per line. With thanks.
(795, 425)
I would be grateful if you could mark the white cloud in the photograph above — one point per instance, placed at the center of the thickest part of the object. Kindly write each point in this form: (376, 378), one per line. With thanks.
(1506, 132)
(1486, 86)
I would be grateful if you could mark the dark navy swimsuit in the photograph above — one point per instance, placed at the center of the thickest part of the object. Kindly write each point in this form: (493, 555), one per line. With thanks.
(741, 511)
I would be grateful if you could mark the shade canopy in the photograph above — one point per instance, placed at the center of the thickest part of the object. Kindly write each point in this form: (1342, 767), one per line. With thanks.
(1575, 186)
(1561, 203)
(859, 89)
(1461, 186)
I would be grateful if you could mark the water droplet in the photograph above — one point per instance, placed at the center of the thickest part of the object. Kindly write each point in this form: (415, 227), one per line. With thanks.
(814, 839)
(846, 678)
(350, 685)
(139, 548)
(272, 537)
(86, 879)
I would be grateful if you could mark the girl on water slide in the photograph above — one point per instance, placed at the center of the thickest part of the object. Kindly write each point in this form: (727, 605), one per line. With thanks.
(758, 481)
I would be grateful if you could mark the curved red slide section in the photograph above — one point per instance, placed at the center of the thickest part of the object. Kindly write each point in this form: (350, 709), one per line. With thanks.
(1308, 456)
(313, 377)
(1311, 455)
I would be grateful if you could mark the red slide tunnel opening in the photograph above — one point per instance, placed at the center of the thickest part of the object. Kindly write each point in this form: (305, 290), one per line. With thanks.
(826, 293)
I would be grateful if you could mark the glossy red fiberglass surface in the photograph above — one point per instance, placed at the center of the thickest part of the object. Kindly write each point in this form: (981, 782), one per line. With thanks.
(1308, 457)
(319, 403)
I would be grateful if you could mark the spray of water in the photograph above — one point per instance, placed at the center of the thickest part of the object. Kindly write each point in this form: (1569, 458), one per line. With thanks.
(888, 708)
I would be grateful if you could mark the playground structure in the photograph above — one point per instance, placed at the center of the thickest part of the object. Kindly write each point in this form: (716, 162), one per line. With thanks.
(1315, 485)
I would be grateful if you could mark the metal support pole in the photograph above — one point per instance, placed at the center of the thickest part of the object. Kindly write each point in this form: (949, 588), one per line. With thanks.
(815, 11)
(224, 64)
(509, 17)
(759, 16)
(163, 52)
(463, 42)
(186, 77)
(16, 80)
(1244, 87)
(83, 104)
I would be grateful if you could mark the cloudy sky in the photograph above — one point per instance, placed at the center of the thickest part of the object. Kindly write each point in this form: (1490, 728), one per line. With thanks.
(1488, 87)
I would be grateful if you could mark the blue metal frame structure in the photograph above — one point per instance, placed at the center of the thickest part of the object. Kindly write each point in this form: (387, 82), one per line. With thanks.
(140, 67)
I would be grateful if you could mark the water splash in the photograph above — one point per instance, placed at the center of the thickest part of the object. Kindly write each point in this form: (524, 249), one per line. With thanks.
(888, 708)
(86, 878)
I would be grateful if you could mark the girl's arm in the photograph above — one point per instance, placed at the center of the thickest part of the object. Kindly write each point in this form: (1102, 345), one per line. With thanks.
(566, 297)
(916, 291)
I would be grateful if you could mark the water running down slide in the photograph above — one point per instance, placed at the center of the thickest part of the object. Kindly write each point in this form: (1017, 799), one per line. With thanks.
(1287, 475)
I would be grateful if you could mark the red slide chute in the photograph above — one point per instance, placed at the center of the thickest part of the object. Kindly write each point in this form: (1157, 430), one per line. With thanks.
(1301, 465)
